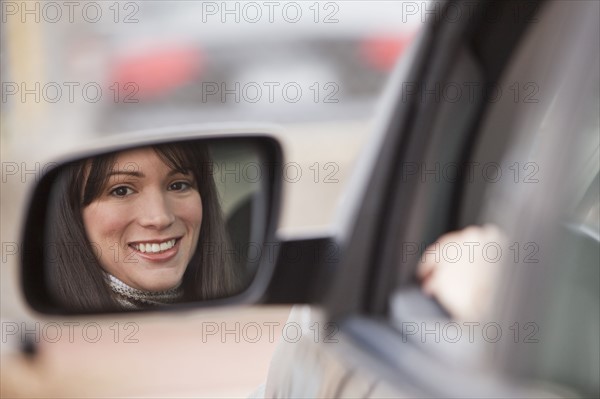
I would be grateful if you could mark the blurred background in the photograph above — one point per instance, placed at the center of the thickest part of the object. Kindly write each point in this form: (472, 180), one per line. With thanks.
(77, 71)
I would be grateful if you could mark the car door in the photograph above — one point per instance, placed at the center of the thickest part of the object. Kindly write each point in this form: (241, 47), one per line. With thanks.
(494, 122)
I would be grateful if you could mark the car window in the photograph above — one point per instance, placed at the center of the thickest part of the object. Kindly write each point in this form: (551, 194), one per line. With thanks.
(533, 196)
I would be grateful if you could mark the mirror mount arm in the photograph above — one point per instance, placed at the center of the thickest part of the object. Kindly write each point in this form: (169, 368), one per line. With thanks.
(304, 271)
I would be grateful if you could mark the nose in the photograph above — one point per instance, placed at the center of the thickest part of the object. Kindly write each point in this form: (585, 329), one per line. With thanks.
(155, 211)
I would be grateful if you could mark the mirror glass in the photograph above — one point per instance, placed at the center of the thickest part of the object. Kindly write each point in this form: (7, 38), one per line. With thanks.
(156, 225)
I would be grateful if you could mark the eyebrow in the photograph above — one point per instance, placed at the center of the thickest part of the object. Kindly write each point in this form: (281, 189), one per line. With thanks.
(125, 172)
(179, 172)
(141, 175)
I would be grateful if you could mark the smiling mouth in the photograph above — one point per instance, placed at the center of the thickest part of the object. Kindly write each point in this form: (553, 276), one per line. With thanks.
(154, 247)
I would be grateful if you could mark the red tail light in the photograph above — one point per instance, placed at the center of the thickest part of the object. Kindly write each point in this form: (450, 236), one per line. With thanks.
(157, 71)
(383, 52)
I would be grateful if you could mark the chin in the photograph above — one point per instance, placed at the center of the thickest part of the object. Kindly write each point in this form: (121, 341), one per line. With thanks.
(159, 280)
(162, 286)
(156, 285)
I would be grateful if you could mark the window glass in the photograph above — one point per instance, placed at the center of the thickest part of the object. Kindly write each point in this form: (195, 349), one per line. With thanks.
(522, 284)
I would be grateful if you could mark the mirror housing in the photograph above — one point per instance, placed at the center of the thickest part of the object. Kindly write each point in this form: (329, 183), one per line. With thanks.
(256, 219)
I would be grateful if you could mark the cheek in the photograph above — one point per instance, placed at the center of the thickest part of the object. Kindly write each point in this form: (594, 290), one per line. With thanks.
(192, 213)
(103, 223)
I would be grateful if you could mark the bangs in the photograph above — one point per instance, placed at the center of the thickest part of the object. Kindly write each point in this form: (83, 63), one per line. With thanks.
(175, 156)
(188, 157)
(94, 174)
(97, 171)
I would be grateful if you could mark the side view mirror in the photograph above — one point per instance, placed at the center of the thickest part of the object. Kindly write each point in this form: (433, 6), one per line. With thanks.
(163, 222)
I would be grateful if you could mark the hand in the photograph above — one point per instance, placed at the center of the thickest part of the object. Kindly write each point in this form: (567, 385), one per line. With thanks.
(459, 270)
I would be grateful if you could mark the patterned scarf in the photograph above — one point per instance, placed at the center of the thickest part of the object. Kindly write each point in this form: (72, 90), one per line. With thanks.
(132, 298)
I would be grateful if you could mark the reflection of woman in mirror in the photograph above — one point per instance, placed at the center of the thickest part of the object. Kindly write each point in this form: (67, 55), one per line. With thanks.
(139, 228)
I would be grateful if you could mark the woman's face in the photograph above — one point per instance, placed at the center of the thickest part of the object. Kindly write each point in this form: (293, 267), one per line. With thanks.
(146, 222)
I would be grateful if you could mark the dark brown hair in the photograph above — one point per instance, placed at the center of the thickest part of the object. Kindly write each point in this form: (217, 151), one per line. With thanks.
(74, 272)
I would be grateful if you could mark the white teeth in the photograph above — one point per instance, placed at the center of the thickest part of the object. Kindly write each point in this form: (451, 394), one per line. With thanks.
(155, 247)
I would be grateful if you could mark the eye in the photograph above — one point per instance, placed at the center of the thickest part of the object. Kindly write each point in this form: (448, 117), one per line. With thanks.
(121, 191)
(179, 186)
